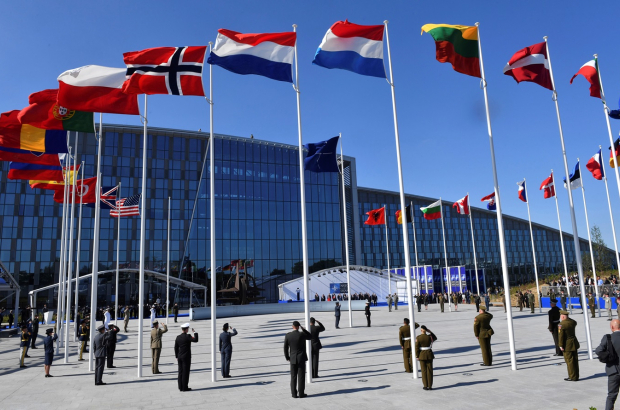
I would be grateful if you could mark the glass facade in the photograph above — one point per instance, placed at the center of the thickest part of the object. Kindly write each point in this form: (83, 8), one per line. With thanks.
(257, 218)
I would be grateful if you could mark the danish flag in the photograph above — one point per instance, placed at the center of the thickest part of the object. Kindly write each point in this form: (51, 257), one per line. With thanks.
(165, 70)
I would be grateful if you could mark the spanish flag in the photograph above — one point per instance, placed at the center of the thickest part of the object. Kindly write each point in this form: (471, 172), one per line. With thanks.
(45, 184)
(15, 135)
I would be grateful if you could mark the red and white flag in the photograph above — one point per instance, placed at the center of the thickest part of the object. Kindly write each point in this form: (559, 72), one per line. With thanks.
(165, 70)
(549, 187)
(94, 88)
(462, 205)
(531, 64)
(590, 71)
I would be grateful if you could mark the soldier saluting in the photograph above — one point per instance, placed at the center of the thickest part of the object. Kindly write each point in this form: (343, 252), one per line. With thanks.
(424, 354)
(569, 345)
(483, 332)
(183, 353)
(404, 338)
(554, 321)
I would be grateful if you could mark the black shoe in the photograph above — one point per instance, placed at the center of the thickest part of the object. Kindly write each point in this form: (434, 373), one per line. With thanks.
(49, 375)
(295, 396)
(100, 384)
(23, 366)
(301, 396)
(487, 365)
(424, 388)
(188, 389)
(430, 388)
(27, 356)
(32, 347)
(111, 367)
(568, 379)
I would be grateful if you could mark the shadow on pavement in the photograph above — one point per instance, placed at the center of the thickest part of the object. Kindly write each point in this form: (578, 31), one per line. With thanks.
(349, 391)
(465, 384)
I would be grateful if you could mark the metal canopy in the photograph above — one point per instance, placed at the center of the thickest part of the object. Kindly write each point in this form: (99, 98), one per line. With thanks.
(7, 281)
(157, 275)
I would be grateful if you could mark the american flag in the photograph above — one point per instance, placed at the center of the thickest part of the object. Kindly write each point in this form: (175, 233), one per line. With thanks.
(127, 207)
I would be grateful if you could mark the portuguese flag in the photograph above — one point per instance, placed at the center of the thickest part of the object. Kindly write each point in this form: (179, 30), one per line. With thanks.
(433, 211)
(44, 112)
(457, 45)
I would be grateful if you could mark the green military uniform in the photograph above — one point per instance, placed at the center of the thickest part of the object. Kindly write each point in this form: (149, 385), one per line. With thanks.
(554, 321)
(84, 336)
(404, 338)
(441, 302)
(520, 301)
(504, 301)
(592, 304)
(569, 345)
(424, 353)
(531, 298)
(483, 331)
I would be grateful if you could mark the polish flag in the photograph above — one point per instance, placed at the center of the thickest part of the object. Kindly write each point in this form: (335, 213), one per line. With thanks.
(548, 187)
(94, 88)
(595, 166)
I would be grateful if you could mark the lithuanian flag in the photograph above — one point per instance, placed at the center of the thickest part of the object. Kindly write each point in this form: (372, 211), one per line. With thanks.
(433, 211)
(14, 134)
(457, 45)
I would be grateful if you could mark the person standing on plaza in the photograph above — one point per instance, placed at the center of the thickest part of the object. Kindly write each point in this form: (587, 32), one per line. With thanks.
(226, 349)
(23, 345)
(569, 345)
(11, 319)
(48, 346)
(126, 317)
(156, 334)
(316, 345)
(35, 332)
(295, 354)
(84, 335)
(477, 301)
(111, 344)
(609, 347)
(487, 301)
(367, 313)
(424, 354)
(419, 301)
(563, 299)
(554, 321)
(298, 292)
(441, 301)
(532, 300)
(337, 314)
(426, 301)
(455, 301)
(483, 332)
(592, 304)
(404, 338)
(175, 310)
(183, 354)
(395, 297)
(153, 315)
(389, 302)
(99, 349)
(608, 306)
(106, 318)
(44, 311)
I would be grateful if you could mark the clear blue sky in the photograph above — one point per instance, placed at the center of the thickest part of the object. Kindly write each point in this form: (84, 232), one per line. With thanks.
(441, 113)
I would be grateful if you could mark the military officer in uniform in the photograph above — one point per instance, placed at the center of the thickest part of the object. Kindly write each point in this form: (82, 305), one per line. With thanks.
(84, 336)
(316, 345)
(99, 350)
(424, 354)
(483, 332)
(156, 333)
(441, 302)
(111, 344)
(183, 354)
(531, 298)
(367, 313)
(608, 306)
(591, 303)
(226, 349)
(487, 301)
(569, 345)
(520, 301)
(477, 301)
(389, 302)
(404, 337)
(295, 354)
(175, 310)
(563, 299)
(23, 345)
(554, 321)
(395, 297)
(126, 318)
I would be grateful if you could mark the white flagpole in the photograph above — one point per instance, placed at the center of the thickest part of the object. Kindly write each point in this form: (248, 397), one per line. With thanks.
(118, 253)
(212, 225)
(611, 214)
(402, 197)
(529, 218)
(387, 249)
(70, 264)
(500, 223)
(76, 322)
(445, 254)
(63, 253)
(572, 214)
(168, 269)
(95, 273)
(346, 234)
(585, 208)
(304, 229)
(473, 242)
(145, 148)
(570, 305)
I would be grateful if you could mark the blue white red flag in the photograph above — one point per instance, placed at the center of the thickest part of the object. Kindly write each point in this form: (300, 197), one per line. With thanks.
(352, 47)
(491, 202)
(522, 191)
(595, 166)
(268, 54)
(127, 207)
(108, 198)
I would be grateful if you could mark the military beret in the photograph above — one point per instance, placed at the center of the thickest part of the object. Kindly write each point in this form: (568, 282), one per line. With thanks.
(50, 330)
(563, 312)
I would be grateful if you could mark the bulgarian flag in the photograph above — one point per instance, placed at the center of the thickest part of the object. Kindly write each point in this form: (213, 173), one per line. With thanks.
(433, 211)
(457, 45)
(590, 71)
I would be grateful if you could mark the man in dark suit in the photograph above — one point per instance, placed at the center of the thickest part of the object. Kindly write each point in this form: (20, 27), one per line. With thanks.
(295, 353)
(99, 349)
(183, 353)
(35, 332)
(337, 314)
(316, 345)
(613, 373)
(226, 349)
(367, 313)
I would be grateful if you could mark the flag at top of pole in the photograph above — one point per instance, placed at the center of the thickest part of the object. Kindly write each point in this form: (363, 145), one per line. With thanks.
(376, 217)
(321, 156)
(269, 55)
(521, 192)
(490, 199)
(462, 205)
(531, 64)
(590, 72)
(352, 47)
(575, 178)
(548, 187)
(457, 45)
(595, 165)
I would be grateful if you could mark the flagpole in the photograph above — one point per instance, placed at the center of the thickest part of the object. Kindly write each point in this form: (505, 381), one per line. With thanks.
(611, 215)
(145, 147)
(585, 208)
(415, 247)
(212, 225)
(168, 269)
(572, 212)
(346, 234)
(97, 227)
(70, 264)
(63, 252)
(570, 305)
(445, 254)
(498, 205)
(77, 259)
(473, 242)
(387, 251)
(118, 253)
(402, 198)
(529, 218)
(304, 229)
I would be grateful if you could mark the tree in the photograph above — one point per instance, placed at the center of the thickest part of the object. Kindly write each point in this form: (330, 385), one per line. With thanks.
(602, 260)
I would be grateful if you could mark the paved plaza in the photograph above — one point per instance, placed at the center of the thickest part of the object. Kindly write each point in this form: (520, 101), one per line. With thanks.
(360, 368)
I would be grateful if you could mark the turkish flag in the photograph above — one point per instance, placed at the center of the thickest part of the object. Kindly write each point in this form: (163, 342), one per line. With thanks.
(376, 217)
(85, 188)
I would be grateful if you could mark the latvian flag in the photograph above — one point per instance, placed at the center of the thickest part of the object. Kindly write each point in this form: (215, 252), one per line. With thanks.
(548, 187)
(127, 207)
(491, 206)
(462, 205)
(595, 166)
(531, 64)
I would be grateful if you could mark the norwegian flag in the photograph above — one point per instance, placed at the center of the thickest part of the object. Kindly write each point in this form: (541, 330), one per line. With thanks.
(165, 70)
(108, 198)
(127, 207)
